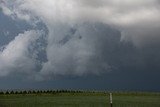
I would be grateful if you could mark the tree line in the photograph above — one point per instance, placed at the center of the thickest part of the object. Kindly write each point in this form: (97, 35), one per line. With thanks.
(42, 92)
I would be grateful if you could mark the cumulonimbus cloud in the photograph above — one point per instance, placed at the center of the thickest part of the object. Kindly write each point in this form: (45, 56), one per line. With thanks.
(137, 20)
(127, 15)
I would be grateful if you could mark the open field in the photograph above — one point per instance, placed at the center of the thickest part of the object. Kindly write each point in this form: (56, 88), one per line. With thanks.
(86, 99)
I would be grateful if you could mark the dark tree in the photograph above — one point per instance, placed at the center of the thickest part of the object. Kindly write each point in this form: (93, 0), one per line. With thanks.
(6, 92)
(12, 92)
(1, 92)
(16, 92)
(20, 92)
(33, 92)
(29, 92)
(24, 92)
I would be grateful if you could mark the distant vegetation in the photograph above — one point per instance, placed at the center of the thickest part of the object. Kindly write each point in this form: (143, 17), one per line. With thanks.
(74, 91)
(45, 92)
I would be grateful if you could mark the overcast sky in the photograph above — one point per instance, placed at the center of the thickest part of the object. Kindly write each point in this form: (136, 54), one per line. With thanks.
(58, 42)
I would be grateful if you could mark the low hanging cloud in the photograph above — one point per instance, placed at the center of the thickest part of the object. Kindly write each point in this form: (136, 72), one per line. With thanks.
(84, 35)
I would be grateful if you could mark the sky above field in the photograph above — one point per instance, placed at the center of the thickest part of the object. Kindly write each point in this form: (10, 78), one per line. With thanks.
(80, 44)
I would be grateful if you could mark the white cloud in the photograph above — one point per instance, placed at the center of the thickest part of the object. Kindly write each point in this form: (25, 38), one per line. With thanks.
(15, 56)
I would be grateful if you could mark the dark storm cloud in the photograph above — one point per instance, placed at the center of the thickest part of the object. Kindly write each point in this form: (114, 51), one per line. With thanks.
(84, 36)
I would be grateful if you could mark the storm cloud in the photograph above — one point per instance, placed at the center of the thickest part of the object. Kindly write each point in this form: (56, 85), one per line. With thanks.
(82, 36)
(15, 55)
(132, 17)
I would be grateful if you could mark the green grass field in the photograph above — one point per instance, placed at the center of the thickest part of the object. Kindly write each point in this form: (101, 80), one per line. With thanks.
(81, 100)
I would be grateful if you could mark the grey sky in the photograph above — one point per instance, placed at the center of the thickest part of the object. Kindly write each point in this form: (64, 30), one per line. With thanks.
(79, 38)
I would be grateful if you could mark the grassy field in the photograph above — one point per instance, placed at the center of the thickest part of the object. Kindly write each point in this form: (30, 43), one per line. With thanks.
(80, 100)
